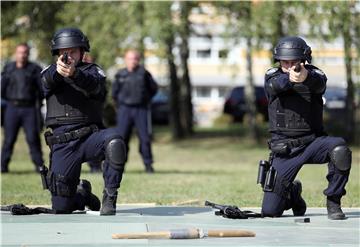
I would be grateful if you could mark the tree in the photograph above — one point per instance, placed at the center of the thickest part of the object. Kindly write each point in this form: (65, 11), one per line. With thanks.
(102, 22)
(330, 20)
(274, 19)
(241, 25)
(163, 31)
(32, 22)
(136, 13)
(184, 33)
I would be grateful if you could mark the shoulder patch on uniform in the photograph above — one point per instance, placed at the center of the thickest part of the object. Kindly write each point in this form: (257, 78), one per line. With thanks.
(320, 72)
(45, 69)
(100, 71)
(271, 71)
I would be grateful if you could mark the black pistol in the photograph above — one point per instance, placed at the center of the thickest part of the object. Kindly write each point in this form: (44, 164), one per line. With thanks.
(65, 58)
(232, 212)
(43, 170)
(225, 210)
(297, 67)
(214, 205)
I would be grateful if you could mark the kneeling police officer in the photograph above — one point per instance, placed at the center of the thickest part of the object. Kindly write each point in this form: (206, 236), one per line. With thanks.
(75, 93)
(295, 90)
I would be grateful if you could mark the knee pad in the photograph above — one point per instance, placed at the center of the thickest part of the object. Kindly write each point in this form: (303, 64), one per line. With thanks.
(341, 157)
(115, 153)
(60, 185)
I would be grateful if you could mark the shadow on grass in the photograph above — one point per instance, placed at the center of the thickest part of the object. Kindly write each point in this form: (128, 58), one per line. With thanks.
(353, 214)
(213, 138)
(23, 172)
(197, 172)
(234, 130)
(166, 211)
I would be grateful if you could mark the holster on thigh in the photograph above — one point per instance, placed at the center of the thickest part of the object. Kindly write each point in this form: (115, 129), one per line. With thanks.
(277, 184)
(60, 185)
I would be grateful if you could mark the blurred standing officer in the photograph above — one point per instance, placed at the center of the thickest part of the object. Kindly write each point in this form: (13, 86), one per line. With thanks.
(75, 93)
(21, 88)
(295, 92)
(132, 91)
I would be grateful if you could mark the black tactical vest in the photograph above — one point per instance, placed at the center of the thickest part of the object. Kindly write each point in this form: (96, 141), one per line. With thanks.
(133, 87)
(70, 105)
(296, 112)
(23, 83)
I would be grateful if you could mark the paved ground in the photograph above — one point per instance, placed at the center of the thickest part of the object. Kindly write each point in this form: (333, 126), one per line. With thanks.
(90, 229)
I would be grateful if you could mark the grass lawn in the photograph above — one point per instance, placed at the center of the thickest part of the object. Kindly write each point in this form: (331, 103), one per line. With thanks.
(215, 165)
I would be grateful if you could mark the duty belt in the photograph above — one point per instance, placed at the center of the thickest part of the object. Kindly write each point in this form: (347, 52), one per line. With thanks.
(285, 145)
(69, 136)
(22, 102)
(295, 142)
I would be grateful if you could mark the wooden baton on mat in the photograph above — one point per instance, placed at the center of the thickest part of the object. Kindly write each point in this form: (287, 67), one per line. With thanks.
(190, 233)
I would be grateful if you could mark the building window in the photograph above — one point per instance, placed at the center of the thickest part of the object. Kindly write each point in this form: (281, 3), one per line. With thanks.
(222, 92)
(203, 53)
(223, 53)
(203, 92)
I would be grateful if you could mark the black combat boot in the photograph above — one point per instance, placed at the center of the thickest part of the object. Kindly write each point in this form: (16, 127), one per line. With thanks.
(298, 203)
(149, 168)
(109, 201)
(4, 170)
(91, 200)
(334, 208)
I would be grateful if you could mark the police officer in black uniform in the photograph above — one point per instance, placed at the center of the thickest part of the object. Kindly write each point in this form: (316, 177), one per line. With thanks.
(132, 91)
(295, 90)
(21, 88)
(75, 93)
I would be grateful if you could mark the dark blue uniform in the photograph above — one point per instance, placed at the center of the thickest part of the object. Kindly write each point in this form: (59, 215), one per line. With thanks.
(21, 88)
(74, 113)
(132, 92)
(295, 118)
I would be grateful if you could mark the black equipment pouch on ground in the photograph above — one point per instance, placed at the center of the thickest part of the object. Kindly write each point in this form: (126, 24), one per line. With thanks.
(21, 209)
(232, 212)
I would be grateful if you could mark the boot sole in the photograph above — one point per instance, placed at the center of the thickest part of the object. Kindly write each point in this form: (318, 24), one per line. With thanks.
(107, 214)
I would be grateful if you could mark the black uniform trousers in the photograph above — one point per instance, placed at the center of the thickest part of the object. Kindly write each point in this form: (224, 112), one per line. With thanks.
(66, 160)
(316, 152)
(127, 117)
(28, 118)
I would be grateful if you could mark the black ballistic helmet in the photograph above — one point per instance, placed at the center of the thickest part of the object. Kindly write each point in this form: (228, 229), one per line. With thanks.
(292, 48)
(67, 38)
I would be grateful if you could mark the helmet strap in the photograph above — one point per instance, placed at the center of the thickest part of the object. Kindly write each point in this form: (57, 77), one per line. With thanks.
(82, 53)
